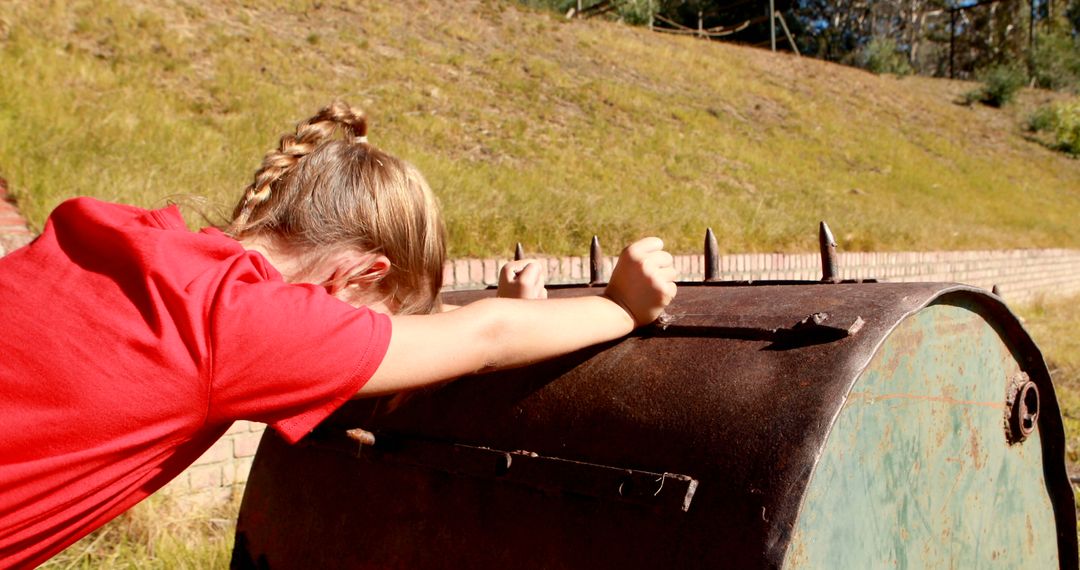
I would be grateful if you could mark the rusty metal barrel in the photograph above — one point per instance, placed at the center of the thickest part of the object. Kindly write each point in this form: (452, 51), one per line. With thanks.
(762, 425)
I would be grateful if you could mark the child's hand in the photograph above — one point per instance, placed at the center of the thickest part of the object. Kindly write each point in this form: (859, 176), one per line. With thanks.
(523, 279)
(643, 281)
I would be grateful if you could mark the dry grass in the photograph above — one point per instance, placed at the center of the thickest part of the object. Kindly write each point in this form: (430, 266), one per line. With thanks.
(1053, 325)
(159, 533)
(530, 128)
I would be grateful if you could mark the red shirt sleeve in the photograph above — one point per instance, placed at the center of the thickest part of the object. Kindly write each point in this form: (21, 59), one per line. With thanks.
(287, 354)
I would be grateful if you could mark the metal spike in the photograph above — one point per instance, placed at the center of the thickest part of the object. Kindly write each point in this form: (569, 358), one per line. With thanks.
(712, 258)
(519, 252)
(596, 265)
(996, 290)
(827, 242)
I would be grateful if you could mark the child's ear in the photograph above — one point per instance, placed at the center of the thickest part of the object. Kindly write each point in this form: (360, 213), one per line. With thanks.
(375, 272)
(363, 270)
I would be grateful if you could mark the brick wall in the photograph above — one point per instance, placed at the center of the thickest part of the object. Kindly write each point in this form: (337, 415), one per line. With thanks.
(1021, 276)
(219, 474)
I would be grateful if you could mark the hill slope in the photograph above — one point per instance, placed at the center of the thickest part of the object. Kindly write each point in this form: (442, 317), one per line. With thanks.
(530, 128)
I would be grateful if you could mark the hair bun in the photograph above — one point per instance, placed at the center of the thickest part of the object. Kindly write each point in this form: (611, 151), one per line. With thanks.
(349, 117)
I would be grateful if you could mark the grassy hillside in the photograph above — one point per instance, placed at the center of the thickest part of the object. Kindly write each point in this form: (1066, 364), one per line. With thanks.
(529, 127)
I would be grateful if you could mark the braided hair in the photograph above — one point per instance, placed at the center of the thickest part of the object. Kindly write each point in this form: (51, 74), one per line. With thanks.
(326, 187)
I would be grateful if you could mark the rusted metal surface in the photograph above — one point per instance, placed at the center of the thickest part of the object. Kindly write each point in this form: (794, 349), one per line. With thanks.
(687, 445)
(917, 471)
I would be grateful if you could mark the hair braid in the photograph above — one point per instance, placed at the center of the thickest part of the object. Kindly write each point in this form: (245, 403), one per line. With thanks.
(292, 148)
(316, 196)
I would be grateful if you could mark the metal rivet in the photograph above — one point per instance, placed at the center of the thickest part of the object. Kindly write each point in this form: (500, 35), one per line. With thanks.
(361, 436)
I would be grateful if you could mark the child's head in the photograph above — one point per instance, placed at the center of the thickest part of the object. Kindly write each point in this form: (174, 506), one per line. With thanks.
(319, 195)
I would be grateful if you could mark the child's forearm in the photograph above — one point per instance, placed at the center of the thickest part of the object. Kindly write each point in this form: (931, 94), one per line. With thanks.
(492, 334)
(503, 333)
(527, 331)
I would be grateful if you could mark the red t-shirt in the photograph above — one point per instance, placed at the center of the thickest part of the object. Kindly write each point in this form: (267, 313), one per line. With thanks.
(129, 344)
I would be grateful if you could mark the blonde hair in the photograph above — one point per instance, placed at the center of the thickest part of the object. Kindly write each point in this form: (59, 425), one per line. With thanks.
(318, 192)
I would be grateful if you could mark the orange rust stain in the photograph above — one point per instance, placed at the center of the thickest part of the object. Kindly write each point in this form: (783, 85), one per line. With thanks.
(976, 456)
(1030, 535)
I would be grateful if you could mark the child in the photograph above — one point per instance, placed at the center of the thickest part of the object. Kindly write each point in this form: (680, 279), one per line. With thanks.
(130, 344)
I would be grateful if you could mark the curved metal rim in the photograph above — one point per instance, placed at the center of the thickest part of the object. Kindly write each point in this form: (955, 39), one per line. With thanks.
(1051, 427)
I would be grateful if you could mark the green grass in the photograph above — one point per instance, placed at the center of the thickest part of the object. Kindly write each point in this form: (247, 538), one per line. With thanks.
(529, 127)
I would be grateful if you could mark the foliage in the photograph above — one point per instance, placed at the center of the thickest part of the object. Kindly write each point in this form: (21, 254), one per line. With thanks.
(882, 56)
(1067, 127)
(1056, 61)
(1062, 122)
(1000, 85)
(637, 12)
(1042, 119)
(935, 37)
(1072, 14)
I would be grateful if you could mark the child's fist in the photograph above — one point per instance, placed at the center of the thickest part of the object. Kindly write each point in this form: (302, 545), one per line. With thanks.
(522, 279)
(643, 281)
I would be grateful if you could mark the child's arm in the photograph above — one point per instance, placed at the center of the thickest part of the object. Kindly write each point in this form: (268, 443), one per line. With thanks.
(503, 333)
(522, 279)
(519, 279)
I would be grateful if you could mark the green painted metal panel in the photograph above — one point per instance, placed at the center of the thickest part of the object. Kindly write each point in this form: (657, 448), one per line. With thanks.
(917, 471)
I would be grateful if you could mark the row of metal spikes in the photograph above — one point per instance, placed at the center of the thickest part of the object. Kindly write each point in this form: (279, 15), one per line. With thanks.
(826, 241)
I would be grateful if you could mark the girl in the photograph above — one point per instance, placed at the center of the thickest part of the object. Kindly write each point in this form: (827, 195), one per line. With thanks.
(130, 344)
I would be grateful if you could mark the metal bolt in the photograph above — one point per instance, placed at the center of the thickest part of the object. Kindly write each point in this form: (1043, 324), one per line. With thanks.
(827, 242)
(712, 258)
(519, 252)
